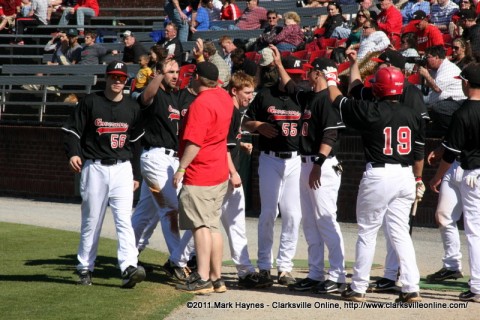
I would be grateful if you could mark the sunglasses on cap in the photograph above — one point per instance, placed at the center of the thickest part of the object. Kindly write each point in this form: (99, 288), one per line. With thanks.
(116, 77)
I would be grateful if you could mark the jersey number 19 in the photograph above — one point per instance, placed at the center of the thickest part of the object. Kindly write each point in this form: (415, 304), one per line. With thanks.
(404, 142)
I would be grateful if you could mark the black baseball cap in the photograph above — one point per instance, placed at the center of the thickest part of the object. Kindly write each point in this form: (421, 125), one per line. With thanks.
(321, 64)
(467, 15)
(470, 73)
(392, 57)
(293, 65)
(418, 15)
(207, 70)
(117, 67)
(72, 33)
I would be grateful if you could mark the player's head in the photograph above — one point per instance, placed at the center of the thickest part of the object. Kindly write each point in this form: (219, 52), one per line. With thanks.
(117, 75)
(241, 88)
(388, 83)
(315, 72)
(470, 77)
(390, 58)
(294, 67)
(170, 70)
(205, 75)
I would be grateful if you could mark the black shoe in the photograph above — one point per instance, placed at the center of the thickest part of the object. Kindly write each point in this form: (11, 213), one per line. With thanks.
(444, 274)
(256, 280)
(469, 296)
(349, 294)
(329, 286)
(408, 297)
(382, 285)
(192, 264)
(173, 271)
(148, 267)
(195, 284)
(306, 284)
(219, 286)
(285, 278)
(131, 276)
(84, 277)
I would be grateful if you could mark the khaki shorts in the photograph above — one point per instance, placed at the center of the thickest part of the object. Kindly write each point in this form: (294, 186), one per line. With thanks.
(201, 206)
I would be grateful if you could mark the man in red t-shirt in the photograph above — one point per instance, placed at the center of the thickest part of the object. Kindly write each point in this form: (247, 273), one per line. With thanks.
(204, 171)
(389, 20)
(427, 34)
(254, 17)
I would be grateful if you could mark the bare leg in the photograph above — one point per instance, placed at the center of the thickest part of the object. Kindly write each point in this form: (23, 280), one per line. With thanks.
(216, 256)
(203, 247)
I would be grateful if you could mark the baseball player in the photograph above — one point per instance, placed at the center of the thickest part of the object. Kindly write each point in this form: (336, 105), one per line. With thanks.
(97, 142)
(394, 139)
(463, 141)
(411, 97)
(319, 181)
(277, 118)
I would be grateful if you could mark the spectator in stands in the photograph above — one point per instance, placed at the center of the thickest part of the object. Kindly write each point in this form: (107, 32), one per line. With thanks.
(59, 45)
(230, 10)
(427, 34)
(412, 6)
(334, 19)
(270, 32)
(37, 16)
(202, 18)
(354, 34)
(462, 54)
(408, 49)
(133, 49)
(56, 8)
(83, 8)
(174, 10)
(441, 14)
(471, 31)
(389, 20)
(74, 50)
(291, 35)
(373, 40)
(454, 27)
(93, 53)
(370, 6)
(143, 76)
(25, 7)
(214, 8)
(439, 75)
(254, 17)
(157, 54)
(240, 62)
(228, 46)
(172, 42)
(210, 54)
(8, 13)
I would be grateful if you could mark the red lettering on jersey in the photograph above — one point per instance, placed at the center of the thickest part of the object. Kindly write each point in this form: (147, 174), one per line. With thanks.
(174, 113)
(184, 112)
(111, 130)
(110, 127)
(282, 115)
(307, 115)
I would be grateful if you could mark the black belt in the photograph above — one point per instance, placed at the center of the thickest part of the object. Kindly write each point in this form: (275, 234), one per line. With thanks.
(382, 165)
(282, 154)
(312, 158)
(168, 152)
(109, 162)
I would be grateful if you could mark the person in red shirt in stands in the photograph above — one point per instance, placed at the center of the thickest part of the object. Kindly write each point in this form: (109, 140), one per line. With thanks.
(81, 9)
(427, 34)
(230, 10)
(8, 12)
(389, 20)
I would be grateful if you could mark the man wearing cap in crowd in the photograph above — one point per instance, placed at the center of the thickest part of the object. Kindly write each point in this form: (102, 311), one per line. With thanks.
(463, 141)
(471, 31)
(74, 51)
(276, 116)
(390, 21)
(427, 34)
(441, 14)
(98, 143)
(172, 43)
(204, 172)
(133, 49)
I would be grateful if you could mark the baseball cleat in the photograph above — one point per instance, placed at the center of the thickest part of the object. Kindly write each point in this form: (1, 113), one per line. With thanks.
(408, 297)
(131, 276)
(382, 285)
(195, 284)
(329, 286)
(469, 296)
(285, 278)
(256, 280)
(174, 271)
(444, 274)
(219, 286)
(350, 294)
(84, 277)
(306, 284)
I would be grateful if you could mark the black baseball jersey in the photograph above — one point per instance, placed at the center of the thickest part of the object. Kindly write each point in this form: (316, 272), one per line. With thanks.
(278, 108)
(391, 132)
(411, 96)
(463, 138)
(102, 129)
(320, 121)
(161, 120)
(234, 137)
(185, 99)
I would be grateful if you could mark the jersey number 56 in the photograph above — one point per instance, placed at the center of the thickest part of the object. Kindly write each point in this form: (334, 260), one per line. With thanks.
(117, 140)
(404, 140)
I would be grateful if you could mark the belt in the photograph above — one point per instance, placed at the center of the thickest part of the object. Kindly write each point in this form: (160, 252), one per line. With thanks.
(306, 159)
(282, 154)
(109, 162)
(168, 152)
(382, 165)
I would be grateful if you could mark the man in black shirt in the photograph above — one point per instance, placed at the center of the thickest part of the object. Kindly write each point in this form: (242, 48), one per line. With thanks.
(172, 43)
(133, 49)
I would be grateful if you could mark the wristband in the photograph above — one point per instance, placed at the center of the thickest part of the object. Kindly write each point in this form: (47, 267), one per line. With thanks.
(417, 179)
(320, 159)
(180, 170)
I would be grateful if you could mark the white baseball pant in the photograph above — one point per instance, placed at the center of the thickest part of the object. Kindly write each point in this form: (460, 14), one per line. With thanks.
(101, 185)
(319, 212)
(279, 184)
(385, 193)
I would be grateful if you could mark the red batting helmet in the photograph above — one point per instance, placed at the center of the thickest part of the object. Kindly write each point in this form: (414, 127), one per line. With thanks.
(387, 82)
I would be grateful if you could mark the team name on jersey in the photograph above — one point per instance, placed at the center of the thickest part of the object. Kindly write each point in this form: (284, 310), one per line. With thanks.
(110, 127)
(174, 113)
(422, 40)
(279, 115)
(307, 114)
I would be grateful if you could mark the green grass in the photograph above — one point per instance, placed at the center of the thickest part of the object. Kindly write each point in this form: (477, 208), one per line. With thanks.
(37, 280)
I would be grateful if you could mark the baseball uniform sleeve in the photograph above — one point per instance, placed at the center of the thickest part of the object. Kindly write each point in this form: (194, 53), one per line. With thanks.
(234, 129)
(454, 140)
(74, 128)
(419, 140)
(357, 114)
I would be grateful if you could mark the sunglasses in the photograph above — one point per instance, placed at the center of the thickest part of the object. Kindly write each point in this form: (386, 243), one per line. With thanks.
(366, 27)
(360, 15)
(455, 48)
(272, 18)
(118, 78)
